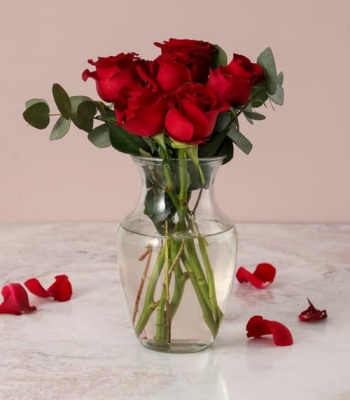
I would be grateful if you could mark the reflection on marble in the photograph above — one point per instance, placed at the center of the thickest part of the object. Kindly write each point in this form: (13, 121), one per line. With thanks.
(84, 349)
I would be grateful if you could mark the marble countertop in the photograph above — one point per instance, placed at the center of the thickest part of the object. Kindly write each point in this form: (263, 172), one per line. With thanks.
(85, 349)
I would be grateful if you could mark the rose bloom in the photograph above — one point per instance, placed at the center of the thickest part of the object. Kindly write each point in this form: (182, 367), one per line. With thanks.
(234, 82)
(142, 112)
(113, 73)
(201, 52)
(170, 71)
(194, 109)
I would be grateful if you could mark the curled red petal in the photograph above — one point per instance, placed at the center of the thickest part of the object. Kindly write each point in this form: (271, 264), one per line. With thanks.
(257, 326)
(61, 289)
(35, 287)
(312, 313)
(265, 272)
(280, 333)
(263, 275)
(15, 300)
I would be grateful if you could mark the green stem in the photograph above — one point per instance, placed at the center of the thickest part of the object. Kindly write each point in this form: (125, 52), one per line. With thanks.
(180, 277)
(207, 314)
(210, 277)
(149, 304)
(183, 193)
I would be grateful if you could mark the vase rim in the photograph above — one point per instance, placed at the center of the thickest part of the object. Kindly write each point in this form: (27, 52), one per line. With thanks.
(157, 160)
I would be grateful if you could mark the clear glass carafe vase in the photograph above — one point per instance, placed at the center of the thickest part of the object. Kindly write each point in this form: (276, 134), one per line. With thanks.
(177, 256)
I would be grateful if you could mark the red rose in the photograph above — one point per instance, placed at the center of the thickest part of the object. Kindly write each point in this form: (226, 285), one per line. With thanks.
(201, 52)
(142, 112)
(193, 112)
(234, 82)
(112, 74)
(168, 72)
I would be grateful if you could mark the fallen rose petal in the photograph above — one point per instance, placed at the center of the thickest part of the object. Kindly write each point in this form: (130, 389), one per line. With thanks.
(35, 287)
(257, 326)
(15, 300)
(60, 290)
(312, 313)
(263, 275)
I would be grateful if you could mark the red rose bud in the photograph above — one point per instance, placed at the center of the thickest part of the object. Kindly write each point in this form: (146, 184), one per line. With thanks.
(15, 300)
(194, 109)
(257, 326)
(312, 314)
(234, 82)
(60, 290)
(263, 275)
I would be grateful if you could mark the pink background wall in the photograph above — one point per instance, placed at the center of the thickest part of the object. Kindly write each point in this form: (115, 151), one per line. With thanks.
(299, 167)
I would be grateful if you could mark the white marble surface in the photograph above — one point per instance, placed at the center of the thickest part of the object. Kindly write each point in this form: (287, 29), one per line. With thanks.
(85, 349)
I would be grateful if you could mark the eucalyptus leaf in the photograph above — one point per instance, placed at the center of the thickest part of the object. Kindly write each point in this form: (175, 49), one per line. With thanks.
(85, 115)
(219, 59)
(210, 148)
(280, 78)
(267, 62)
(278, 97)
(99, 136)
(62, 100)
(37, 115)
(125, 142)
(154, 197)
(223, 121)
(254, 115)
(240, 140)
(258, 95)
(60, 128)
(30, 102)
(227, 150)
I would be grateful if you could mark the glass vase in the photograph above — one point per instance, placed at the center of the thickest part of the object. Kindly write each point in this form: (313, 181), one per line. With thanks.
(177, 256)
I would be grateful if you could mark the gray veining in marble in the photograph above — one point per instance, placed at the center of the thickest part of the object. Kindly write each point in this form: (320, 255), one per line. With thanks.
(85, 349)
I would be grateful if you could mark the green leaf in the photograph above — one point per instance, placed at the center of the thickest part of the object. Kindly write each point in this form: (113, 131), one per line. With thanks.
(125, 142)
(258, 95)
(30, 102)
(267, 62)
(99, 136)
(219, 59)
(226, 149)
(280, 78)
(37, 115)
(254, 115)
(210, 148)
(223, 121)
(240, 140)
(154, 197)
(60, 128)
(62, 100)
(85, 115)
(75, 102)
(278, 97)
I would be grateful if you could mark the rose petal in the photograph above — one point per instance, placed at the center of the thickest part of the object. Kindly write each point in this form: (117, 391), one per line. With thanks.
(257, 326)
(262, 277)
(15, 300)
(60, 290)
(35, 287)
(312, 313)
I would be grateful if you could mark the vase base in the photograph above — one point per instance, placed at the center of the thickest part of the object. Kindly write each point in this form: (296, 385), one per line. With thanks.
(176, 346)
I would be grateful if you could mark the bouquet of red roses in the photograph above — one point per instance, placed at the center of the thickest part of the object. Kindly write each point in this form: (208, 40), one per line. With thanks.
(189, 94)
(181, 107)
